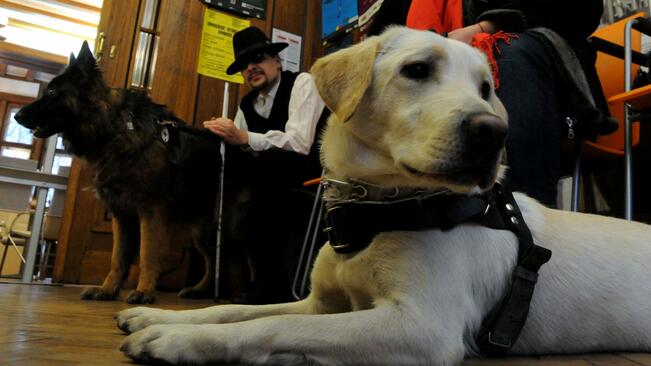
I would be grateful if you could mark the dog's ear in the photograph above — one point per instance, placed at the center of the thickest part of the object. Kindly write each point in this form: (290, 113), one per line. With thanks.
(343, 77)
(72, 59)
(85, 60)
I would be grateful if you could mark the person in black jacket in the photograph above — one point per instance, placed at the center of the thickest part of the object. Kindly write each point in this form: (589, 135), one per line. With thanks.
(545, 96)
(277, 125)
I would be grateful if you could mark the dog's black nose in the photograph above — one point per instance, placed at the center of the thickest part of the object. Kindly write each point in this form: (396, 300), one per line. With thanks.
(487, 130)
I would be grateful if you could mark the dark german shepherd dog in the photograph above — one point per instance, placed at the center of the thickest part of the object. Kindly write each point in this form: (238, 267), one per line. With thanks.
(157, 175)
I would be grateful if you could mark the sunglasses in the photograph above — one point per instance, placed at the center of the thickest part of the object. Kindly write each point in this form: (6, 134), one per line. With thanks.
(256, 58)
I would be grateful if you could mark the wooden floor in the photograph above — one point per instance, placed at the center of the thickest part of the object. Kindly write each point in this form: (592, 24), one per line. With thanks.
(49, 325)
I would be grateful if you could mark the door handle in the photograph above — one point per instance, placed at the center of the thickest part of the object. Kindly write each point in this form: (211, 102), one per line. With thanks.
(99, 45)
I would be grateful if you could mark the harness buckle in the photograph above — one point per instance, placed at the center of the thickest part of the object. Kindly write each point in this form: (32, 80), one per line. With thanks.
(330, 230)
(339, 246)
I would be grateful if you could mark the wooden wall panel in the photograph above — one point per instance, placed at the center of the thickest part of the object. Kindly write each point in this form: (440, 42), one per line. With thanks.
(210, 95)
(175, 79)
(312, 48)
(289, 15)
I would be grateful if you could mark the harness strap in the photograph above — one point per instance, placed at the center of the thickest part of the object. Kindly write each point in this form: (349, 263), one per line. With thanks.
(351, 227)
(501, 327)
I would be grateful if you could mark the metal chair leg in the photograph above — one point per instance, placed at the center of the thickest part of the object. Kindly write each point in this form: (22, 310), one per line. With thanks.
(628, 131)
(576, 176)
(628, 166)
(42, 263)
(4, 256)
(303, 267)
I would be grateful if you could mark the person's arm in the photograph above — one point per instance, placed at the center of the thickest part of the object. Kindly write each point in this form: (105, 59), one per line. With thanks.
(305, 108)
(466, 34)
(571, 19)
(233, 132)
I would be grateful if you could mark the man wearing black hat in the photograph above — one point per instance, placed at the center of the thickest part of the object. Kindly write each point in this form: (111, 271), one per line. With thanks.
(277, 122)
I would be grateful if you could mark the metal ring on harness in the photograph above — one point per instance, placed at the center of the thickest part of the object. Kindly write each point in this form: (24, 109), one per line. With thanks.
(165, 134)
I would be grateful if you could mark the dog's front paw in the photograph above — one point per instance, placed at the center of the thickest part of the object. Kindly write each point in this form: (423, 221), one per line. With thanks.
(98, 293)
(141, 297)
(173, 344)
(135, 319)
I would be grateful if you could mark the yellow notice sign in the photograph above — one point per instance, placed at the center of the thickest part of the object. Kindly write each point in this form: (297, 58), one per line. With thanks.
(216, 51)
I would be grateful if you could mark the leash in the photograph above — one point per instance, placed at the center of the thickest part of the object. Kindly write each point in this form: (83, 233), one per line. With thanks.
(352, 223)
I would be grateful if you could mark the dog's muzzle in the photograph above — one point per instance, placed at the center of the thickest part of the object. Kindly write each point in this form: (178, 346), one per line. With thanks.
(21, 119)
(38, 130)
(485, 132)
(484, 139)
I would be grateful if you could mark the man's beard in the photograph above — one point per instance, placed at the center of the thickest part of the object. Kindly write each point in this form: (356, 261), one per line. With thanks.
(266, 85)
(262, 86)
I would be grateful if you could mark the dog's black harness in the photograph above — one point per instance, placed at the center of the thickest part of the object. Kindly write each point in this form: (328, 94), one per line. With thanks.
(352, 224)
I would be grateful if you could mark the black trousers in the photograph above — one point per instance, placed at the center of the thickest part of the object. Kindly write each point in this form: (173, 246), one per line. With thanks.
(269, 218)
(528, 91)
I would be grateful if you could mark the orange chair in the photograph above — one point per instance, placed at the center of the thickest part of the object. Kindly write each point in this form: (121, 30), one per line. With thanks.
(617, 61)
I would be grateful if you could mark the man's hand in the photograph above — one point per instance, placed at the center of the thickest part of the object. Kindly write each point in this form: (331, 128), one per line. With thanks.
(225, 128)
(465, 34)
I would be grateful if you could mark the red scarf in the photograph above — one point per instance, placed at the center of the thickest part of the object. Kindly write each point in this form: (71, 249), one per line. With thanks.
(487, 43)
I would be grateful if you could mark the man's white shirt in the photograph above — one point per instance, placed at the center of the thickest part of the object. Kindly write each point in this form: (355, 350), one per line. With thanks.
(305, 107)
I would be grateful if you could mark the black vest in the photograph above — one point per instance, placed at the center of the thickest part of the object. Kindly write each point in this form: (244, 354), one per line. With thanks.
(279, 114)
(278, 119)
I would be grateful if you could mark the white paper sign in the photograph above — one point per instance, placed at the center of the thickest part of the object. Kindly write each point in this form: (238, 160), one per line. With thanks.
(290, 56)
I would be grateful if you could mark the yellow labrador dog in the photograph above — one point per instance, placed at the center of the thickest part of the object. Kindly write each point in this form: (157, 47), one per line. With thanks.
(418, 111)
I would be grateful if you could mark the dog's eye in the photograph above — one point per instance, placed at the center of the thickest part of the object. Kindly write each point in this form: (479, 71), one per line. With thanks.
(416, 71)
(485, 90)
(51, 92)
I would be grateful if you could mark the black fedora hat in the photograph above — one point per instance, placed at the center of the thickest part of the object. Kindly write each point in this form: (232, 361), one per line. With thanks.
(247, 42)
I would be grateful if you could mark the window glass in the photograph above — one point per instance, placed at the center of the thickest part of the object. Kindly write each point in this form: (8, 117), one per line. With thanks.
(150, 13)
(60, 160)
(60, 143)
(15, 132)
(15, 152)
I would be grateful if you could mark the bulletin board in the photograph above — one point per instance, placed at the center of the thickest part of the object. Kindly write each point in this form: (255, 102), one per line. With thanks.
(216, 50)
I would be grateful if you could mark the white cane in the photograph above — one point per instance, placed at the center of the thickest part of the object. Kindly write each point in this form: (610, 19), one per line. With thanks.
(220, 196)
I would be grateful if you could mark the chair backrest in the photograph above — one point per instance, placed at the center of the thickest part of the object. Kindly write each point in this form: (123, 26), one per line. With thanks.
(16, 197)
(51, 227)
(611, 74)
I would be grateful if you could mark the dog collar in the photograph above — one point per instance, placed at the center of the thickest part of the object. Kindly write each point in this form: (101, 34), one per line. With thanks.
(337, 191)
(356, 211)
(351, 226)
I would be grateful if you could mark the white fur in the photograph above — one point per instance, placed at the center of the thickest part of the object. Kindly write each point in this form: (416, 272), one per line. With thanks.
(416, 298)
